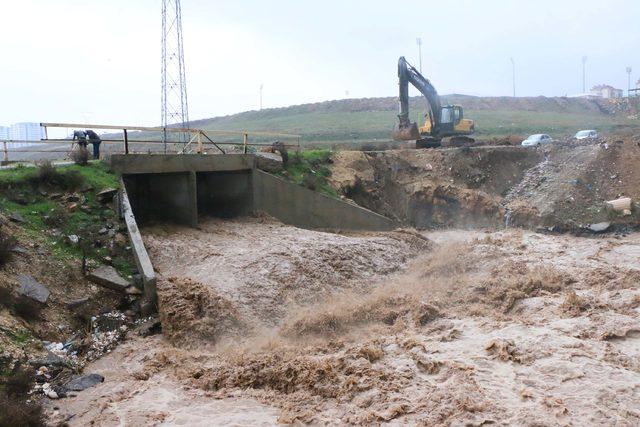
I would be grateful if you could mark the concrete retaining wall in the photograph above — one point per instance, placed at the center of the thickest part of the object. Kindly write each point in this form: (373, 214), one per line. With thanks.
(140, 255)
(296, 205)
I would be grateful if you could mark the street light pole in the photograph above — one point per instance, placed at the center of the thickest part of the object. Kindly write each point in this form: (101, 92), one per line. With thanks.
(419, 42)
(513, 71)
(629, 81)
(584, 74)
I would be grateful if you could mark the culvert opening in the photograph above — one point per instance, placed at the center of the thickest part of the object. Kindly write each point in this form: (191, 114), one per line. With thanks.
(224, 194)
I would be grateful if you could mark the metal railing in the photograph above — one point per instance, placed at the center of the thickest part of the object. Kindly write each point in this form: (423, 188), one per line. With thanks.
(146, 139)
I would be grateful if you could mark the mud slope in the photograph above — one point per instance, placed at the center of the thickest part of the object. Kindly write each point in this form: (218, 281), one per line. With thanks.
(506, 328)
(433, 188)
(568, 188)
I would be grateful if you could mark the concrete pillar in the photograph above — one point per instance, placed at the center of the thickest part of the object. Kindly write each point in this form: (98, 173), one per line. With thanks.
(192, 189)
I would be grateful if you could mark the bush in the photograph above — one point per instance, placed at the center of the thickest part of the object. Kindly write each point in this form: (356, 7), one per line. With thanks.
(27, 309)
(310, 181)
(49, 176)
(56, 217)
(7, 243)
(6, 297)
(18, 412)
(80, 156)
(15, 409)
(19, 383)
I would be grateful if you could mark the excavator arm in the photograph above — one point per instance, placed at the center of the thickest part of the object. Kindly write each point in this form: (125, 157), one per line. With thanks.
(405, 129)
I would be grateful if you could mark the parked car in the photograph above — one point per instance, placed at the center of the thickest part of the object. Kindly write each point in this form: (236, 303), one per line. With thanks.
(537, 139)
(586, 134)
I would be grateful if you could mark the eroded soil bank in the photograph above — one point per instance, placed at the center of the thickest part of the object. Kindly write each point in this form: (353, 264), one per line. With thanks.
(563, 185)
(267, 323)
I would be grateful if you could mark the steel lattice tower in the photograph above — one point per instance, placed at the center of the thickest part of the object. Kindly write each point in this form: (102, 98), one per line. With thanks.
(174, 86)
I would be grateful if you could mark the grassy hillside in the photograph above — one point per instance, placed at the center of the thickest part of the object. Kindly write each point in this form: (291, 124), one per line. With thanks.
(357, 121)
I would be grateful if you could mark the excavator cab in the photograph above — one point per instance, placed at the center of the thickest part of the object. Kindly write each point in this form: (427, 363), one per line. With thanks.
(450, 117)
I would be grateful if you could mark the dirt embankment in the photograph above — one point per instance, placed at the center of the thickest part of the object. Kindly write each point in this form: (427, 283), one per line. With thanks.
(563, 185)
(433, 188)
(569, 187)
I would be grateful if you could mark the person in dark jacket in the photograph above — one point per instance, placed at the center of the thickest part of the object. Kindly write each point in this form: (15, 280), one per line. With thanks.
(81, 136)
(95, 140)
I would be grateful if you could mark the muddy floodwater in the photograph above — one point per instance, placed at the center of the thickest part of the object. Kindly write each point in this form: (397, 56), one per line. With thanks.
(266, 323)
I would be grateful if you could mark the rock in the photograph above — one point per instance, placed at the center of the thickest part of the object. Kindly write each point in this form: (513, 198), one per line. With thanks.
(149, 327)
(619, 205)
(84, 382)
(75, 303)
(626, 212)
(108, 277)
(16, 217)
(132, 290)
(103, 231)
(19, 250)
(600, 227)
(106, 195)
(269, 162)
(147, 308)
(51, 360)
(73, 239)
(31, 288)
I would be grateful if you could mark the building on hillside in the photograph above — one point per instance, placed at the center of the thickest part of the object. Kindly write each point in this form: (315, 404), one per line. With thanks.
(26, 131)
(606, 91)
(4, 132)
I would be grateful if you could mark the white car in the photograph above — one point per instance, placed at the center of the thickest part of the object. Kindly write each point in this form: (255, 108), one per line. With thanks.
(586, 134)
(537, 139)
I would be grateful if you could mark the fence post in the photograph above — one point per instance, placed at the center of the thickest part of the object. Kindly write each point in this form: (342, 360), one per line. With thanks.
(245, 140)
(126, 142)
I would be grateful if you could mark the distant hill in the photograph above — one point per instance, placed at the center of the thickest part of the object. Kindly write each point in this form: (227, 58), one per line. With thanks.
(352, 122)
(371, 119)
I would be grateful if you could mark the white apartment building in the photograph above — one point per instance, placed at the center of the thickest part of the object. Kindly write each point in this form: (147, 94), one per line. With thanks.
(26, 131)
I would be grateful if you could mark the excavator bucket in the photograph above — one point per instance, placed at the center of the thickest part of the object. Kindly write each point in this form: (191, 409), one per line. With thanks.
(407, 131)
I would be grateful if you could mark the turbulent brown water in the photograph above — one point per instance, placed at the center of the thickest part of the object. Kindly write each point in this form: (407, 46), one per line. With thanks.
(268, 323)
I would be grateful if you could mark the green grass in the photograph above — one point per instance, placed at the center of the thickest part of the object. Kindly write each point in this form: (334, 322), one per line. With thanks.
(353, 122)
(95, 177)
(310, 168)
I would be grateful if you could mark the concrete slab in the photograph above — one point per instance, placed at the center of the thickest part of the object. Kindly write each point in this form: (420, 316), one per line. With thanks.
(107, 276)
(166, 163)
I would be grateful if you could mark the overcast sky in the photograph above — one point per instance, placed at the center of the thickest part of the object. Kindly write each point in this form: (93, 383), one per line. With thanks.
(99, 61)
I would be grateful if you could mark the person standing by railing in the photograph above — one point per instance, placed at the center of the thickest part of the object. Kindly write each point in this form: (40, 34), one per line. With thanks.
(95, 140)
(81, 136)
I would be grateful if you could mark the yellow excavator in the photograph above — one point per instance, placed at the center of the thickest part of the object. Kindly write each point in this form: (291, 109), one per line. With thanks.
(441, 121)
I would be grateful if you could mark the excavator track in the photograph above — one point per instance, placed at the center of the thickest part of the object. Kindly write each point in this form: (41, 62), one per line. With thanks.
(428, 143)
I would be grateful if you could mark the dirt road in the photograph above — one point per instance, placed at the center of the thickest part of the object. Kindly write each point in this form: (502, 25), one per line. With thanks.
(267, 323)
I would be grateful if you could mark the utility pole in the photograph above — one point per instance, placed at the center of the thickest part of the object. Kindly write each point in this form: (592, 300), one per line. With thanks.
(513, 72)
(419, 42)
(584, 74)
(629, 81)
(261, 86)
